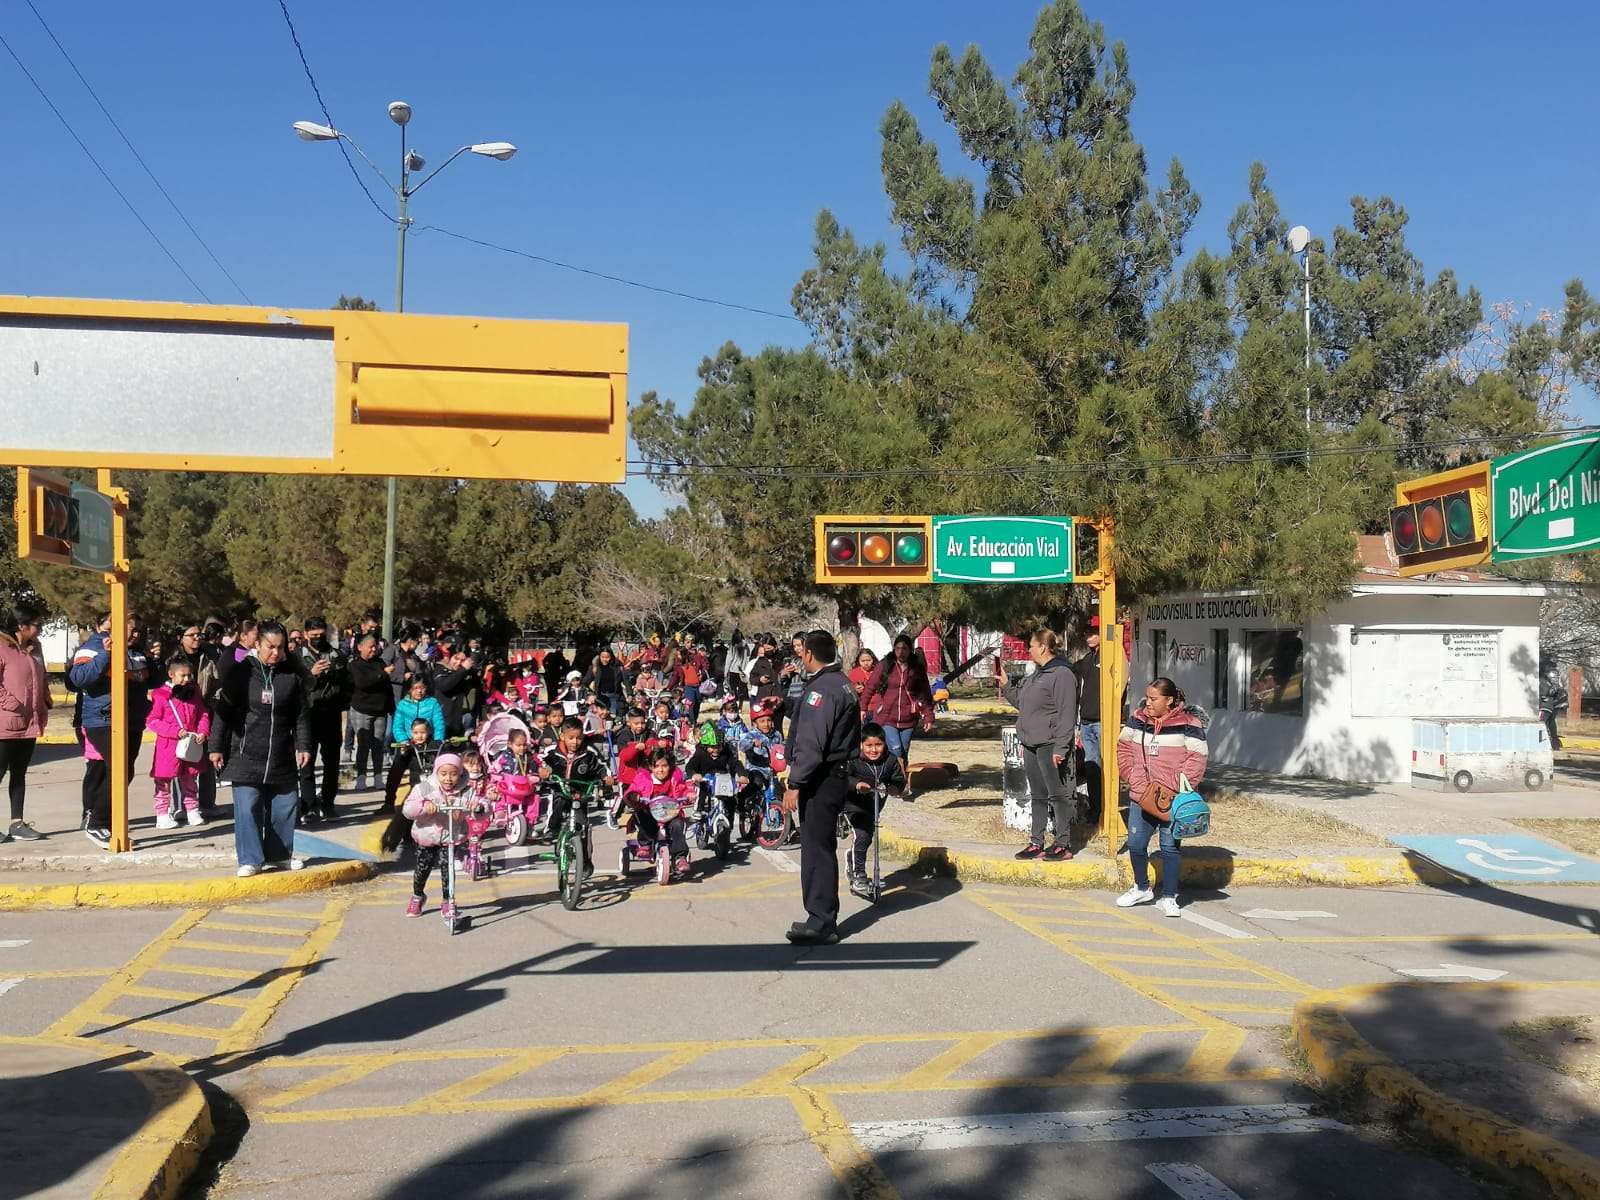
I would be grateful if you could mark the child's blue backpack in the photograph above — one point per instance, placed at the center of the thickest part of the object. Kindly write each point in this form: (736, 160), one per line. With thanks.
(1191, 815)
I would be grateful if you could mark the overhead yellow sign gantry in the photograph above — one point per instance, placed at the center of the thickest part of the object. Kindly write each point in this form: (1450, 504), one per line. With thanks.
(185, 387)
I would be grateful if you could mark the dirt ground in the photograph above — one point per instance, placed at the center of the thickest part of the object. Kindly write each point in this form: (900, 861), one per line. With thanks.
(1239, 821)
(1582, 835)
(1570, 1045)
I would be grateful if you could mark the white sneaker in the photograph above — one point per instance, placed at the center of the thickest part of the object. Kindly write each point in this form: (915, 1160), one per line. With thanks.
(246, 872)
(1135, 895)
(166, 821)
(195, 818)
(296, 864)
(1169, 906)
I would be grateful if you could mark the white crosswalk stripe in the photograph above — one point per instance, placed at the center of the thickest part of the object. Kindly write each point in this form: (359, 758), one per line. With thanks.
(1100, 1125)
(1192, 1182)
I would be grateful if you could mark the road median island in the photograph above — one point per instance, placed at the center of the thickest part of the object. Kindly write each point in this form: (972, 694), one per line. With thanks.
(1345, 1061)
(56, 1137)
(34, 890)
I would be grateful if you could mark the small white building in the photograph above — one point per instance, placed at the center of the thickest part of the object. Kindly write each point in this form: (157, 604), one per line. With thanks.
(1335, 696)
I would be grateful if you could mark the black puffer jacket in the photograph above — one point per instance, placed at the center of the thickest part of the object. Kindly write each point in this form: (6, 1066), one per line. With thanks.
(370, 691)
(258, 737)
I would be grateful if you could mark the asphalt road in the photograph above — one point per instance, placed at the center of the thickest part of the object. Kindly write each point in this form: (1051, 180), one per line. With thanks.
(665, 1042)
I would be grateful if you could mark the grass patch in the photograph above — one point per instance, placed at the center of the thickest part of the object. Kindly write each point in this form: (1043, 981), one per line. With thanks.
(1569, 1045)
(1242, 821)
(1580, 834)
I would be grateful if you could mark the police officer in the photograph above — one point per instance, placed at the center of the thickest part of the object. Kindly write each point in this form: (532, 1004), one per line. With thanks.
(824, 736)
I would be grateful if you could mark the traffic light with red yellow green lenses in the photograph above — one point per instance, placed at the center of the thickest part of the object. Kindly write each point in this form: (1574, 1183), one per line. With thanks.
(874, 549)
(1442, 522)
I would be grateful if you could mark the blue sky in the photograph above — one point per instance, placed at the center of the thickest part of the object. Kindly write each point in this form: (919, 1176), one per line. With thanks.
(692, 145)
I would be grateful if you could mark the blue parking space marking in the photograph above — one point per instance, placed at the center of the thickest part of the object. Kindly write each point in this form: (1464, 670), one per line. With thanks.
(1504, 858)
(309, 846)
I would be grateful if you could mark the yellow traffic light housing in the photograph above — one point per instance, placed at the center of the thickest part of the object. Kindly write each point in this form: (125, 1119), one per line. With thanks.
(1442, 522)
(47, 517)
(873, 549)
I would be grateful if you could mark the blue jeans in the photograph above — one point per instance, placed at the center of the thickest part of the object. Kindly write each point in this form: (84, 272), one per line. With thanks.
(1091, 741)
(264, 808)
(898, 741)
(1140, 827)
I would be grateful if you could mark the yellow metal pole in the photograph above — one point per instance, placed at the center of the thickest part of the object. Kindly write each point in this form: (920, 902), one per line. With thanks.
(1113, 676)
(117, 577)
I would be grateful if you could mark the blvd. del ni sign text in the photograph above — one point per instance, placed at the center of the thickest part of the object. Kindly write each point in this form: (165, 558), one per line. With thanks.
(1002, 549)
(1547, 500)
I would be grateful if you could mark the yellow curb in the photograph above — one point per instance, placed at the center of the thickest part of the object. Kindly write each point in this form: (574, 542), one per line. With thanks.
(372, 837)
(188, 893)
(986, 869)
(1575, 742)
(1340, 1056)
(157, 1161)
(1199, 869)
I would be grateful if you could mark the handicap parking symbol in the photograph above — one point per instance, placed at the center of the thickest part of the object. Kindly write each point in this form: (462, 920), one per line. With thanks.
(1507, 858)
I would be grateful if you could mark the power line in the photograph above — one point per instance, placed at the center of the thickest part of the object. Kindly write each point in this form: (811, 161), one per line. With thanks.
(139, 157)
(633, 283)
(328, 116)
(104, 174)
(668, 469)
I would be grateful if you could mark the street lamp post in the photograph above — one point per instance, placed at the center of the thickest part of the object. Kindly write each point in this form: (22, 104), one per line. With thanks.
(1300, 243)
(410, 163)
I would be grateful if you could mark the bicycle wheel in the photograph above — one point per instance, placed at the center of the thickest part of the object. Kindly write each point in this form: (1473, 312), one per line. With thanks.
(571, 865)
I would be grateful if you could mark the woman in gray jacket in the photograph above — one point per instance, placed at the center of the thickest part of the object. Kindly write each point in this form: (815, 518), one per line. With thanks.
(1047, 726)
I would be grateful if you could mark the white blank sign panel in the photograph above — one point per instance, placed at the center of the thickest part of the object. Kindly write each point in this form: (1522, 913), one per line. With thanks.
(207, 390)
(1425, 673)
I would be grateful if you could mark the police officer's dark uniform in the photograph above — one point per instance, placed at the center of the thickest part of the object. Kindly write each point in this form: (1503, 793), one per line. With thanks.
(824, 737)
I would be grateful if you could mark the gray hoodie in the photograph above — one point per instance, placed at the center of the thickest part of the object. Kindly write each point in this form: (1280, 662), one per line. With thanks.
(1047, 707)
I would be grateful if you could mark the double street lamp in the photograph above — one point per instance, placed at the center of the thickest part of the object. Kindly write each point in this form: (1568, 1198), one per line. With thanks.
(1300, 243)
(411, 163)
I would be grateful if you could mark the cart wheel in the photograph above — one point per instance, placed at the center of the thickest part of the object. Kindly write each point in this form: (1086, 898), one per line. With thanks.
(1533, 780)
(517, 829)
(1462, 781)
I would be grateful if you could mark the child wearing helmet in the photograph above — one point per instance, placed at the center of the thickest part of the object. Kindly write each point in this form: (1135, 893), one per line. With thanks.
(712, 756)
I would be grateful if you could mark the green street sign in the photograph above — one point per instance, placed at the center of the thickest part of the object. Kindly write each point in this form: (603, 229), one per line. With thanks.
(94, 549)
(1547, 500)
(1002, 549)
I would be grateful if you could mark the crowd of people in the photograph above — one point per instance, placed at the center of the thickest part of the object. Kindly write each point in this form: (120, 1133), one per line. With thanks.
(282, 714)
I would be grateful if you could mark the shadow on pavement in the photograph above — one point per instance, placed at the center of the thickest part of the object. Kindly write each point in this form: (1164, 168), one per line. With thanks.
(53, 1122)
(1579, 916)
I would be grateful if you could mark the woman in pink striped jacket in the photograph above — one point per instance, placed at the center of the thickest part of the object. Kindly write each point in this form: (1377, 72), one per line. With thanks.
(1163, 742)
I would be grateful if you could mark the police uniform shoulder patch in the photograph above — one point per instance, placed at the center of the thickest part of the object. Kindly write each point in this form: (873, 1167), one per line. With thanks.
(814, 699)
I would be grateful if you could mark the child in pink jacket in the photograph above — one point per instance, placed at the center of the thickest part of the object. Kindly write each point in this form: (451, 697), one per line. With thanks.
(176, 709)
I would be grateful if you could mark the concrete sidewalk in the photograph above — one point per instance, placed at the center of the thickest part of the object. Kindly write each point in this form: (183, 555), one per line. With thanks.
(187, 865)
(1435, 1059)
(139, 1140)
(1378, 813)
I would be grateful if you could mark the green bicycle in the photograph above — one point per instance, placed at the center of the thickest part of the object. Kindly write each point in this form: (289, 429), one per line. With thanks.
(573, 852)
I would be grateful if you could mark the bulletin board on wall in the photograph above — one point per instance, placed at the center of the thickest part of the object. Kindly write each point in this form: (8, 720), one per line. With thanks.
(1425, 673)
